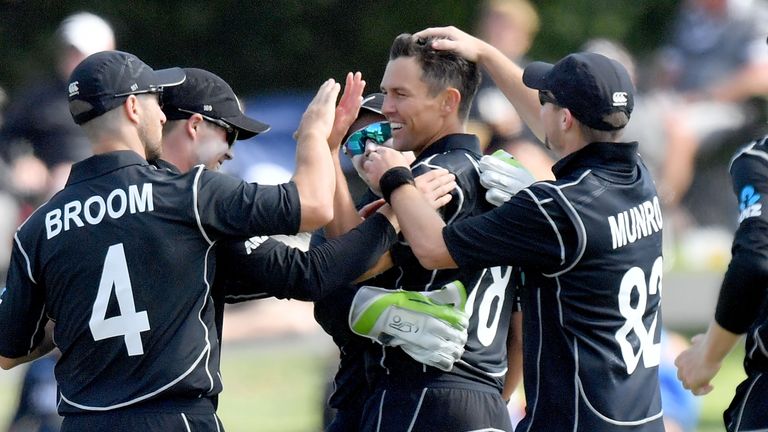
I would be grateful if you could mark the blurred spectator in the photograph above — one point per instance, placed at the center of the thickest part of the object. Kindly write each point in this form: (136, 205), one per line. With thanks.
(38, 131)
(510, 26)
(36, 411)
(713, 77)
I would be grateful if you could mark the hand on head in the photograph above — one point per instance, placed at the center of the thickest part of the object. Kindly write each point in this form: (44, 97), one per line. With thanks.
(452, 39)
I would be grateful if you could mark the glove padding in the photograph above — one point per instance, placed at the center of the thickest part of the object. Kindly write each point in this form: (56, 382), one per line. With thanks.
(429, 326)
(503, 176)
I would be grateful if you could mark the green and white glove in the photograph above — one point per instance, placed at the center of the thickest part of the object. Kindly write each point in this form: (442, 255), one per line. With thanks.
(429, 326)
(503, 176)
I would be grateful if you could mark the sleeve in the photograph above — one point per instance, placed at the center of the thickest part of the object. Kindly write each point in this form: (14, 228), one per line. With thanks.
(261, 267)
(231, 207)
(744, 286)
(22, 308)
(525, 231)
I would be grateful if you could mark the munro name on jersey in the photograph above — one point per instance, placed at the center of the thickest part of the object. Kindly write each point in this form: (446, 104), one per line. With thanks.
(640, 221)
(77, 213)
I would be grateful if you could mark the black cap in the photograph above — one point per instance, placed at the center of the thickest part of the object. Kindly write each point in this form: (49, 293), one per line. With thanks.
(373, 102)
(590, 85)
(104, 80)
(207, 94)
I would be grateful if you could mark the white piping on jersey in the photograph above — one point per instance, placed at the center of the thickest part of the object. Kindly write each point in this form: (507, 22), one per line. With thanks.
(559, 303)
(186, 423)
(195, 184)
(381, 409)
(140, 398)
(460, 206)
(579, 228)
(37, 329)
(486, 430)
(200, 317)
(491, 374)
(538, 361)
(247, 296)
(610, 420)
(576, 385)
(383, 357)
(26, 258)
(551, 223)
(418, 408)
(750, 151)
(744, 404)
(216, 420)
(758, 344)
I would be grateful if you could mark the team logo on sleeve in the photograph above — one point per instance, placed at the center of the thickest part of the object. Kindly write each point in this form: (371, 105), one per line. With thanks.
(749, 203)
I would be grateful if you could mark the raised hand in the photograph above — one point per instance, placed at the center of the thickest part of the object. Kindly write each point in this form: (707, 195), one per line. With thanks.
(436, 186)
(319, 116)
(347, 109)
(693, 369)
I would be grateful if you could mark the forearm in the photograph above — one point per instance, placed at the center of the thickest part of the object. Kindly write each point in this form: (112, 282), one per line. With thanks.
(422, 227)
(718, 342)
(508, 77)
(44, 347)
(749, 82)
(315, 181)
(345, 216)
(338, 262)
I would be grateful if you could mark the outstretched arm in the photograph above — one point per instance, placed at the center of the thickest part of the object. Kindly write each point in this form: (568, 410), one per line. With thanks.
(422, 226)
(314, 176)
(697, 365)
(43, 348)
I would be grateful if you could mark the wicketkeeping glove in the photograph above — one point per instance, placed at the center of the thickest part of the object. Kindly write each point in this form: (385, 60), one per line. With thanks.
(503, 176)
(429, 326)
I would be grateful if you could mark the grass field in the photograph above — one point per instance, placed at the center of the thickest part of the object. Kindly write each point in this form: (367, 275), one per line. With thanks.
(278, 387)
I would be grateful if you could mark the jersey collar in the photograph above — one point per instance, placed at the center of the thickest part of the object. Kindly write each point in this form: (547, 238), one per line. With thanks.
(614, 161)
(101, 164)
(450, 142)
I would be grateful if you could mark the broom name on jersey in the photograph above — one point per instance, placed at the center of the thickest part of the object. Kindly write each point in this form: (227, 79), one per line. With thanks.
(91, 211)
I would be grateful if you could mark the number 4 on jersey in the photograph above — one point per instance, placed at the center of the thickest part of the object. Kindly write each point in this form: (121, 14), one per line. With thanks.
(129, 323)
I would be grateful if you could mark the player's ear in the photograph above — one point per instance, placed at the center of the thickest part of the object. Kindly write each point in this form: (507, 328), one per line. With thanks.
(132, 108)
(451, 98)
(192, 124)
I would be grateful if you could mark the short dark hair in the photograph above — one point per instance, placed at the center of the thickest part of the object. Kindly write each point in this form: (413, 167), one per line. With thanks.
(440, 69)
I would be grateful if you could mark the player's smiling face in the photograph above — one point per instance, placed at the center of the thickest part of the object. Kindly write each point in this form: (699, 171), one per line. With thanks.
(211, 146)
(414, 113)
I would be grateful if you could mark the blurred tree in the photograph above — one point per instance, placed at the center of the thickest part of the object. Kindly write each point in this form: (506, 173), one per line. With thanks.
(295, 44)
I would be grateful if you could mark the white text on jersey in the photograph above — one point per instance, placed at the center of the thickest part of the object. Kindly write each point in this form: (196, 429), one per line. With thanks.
(638, 222)
(96, 207)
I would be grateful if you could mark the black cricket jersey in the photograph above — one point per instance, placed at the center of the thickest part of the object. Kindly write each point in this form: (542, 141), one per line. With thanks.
(743, 303)
(484, 362)
(121, 260)
(590, 246)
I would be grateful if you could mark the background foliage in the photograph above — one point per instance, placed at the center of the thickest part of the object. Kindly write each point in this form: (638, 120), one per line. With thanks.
(296, 44)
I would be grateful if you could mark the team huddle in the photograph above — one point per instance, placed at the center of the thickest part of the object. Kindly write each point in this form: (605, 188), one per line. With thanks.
(440, 296)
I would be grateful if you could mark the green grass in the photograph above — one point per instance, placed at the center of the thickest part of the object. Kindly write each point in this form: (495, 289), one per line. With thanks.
(270, 388)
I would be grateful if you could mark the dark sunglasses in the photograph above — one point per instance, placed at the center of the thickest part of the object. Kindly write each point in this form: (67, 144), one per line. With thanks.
(378, 132)
(547, 97)
(231, 132)
(152, 90)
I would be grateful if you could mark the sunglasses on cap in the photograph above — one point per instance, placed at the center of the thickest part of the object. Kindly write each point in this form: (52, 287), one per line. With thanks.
(231, 132)
(378, 132)
(152, 90)
(547, 97)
